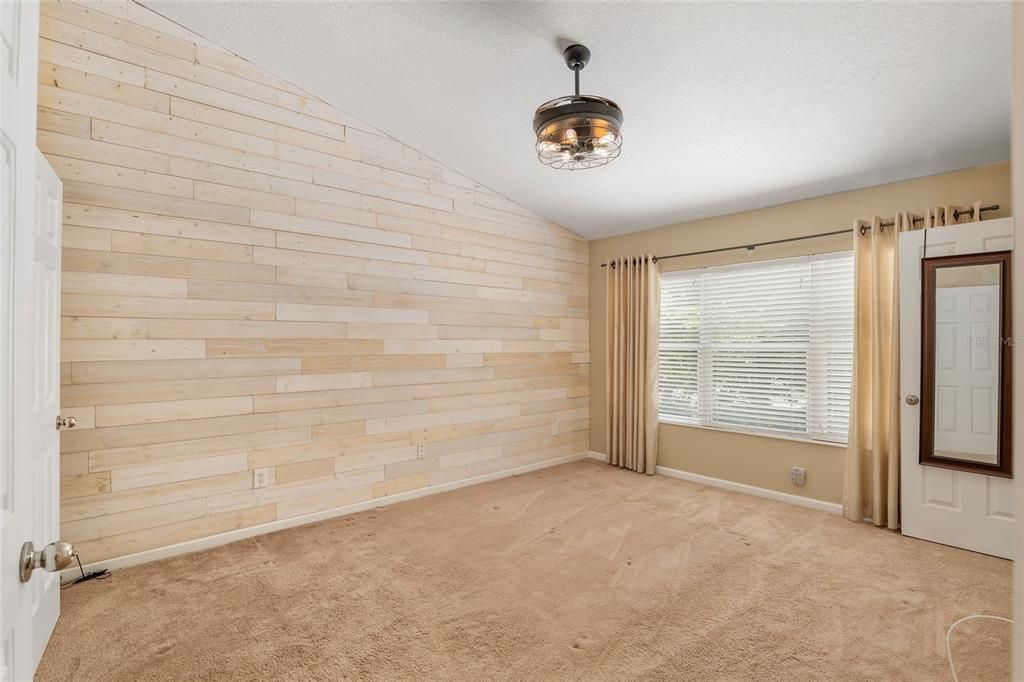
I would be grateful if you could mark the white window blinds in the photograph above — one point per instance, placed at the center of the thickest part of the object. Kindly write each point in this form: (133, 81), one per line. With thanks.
(763, 347)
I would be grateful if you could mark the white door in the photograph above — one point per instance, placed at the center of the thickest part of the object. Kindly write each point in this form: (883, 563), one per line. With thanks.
(967, 510)
(30, 211)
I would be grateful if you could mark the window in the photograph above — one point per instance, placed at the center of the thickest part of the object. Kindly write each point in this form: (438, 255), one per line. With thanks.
(761, 347)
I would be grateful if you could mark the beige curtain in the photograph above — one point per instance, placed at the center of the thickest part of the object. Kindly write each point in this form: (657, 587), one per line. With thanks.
(871, 489)
(631, 387)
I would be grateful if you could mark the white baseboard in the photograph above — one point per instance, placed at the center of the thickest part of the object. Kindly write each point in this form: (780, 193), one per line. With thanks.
(251, 531)
(808, 502)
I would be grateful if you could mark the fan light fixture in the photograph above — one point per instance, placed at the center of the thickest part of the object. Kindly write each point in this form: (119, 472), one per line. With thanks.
(579, 131)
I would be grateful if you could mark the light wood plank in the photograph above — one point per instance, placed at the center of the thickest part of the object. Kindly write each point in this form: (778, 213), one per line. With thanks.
(206, 147)
(134, 200)
(110, 88)
(168, 226)
(174, 533)
(81, 15)
(301, 471)
(171, 410)
(172, 390)
(323, 382)
(130, 521)
(171, 472)
(163, 432)
(103, 328)
(54, 120)
(280, 293)
(329, 500)
(268, 347)
(231, 329)
(159, 370)
(75, 237)
(142, 498)
(147, 307)
(179, 247)
(78, 260)
(122, 350)
(178, 450)
(90, 62)
(81, 485)
(204, 94)
(327, 313)
(52, 143)
(123, 285)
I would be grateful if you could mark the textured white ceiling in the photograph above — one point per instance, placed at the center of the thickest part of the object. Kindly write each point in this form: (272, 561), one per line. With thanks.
(728, 106)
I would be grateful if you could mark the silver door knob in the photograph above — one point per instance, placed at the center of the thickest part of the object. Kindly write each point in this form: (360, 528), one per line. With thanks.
(913, 399)
(54, 557)
(66, 422)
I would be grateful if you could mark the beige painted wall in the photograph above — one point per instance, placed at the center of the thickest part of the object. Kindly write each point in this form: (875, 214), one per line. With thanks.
(756, 460)
(255, 280)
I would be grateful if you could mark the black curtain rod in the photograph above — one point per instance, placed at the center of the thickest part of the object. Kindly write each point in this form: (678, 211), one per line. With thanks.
(751, 247)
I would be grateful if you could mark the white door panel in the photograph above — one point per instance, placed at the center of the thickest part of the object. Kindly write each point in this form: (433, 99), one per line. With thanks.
(30, 218)
(967, 510)
(966, 374)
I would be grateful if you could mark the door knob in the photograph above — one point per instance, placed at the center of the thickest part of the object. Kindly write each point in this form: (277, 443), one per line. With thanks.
(913, 399)
(54, 557)
(66, 422)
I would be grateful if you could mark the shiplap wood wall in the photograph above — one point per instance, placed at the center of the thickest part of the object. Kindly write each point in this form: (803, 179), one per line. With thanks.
(253, 279)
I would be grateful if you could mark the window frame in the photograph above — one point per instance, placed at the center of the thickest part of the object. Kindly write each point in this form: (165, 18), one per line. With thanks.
(703, 368)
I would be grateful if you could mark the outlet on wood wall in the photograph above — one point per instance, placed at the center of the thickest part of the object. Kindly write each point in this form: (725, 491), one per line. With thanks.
(255, 280)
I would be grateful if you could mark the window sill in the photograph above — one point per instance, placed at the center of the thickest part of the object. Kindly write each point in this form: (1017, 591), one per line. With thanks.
(757, 434)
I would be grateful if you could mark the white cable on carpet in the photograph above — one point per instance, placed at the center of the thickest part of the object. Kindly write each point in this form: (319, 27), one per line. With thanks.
(949, 633)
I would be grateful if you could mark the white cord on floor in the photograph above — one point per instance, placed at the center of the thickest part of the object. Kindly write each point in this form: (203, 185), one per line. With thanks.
(949, 633)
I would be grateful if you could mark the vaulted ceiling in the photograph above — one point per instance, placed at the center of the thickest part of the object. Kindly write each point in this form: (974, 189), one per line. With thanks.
(728, 106)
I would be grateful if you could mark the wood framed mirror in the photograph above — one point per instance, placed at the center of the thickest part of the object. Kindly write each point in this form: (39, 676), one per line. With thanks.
(966, 377)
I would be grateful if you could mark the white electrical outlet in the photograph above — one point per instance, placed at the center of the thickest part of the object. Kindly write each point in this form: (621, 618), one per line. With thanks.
(797, 475)
(421, 451)
(260, 478)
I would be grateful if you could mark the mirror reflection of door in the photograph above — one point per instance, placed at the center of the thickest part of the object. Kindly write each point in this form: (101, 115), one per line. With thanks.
(967, 363)
(966, 377)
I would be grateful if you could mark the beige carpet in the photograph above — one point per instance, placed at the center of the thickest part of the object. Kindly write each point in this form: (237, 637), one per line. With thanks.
(576, 572)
